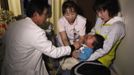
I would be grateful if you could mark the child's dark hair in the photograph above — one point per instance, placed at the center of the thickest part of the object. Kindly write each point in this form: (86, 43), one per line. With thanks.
(37, 6)
(112, 6)
(98, 42)
(69, 4)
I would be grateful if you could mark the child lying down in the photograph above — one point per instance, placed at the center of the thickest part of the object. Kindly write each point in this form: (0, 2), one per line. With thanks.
(92, 43)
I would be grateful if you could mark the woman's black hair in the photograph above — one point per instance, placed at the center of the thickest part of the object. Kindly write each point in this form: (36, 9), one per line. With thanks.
(112, 6)
(37, 6)
(99, 42)
(69, 4)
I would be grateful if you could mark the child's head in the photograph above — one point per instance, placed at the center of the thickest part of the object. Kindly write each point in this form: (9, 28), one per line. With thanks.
(69, 10)
(94, 41)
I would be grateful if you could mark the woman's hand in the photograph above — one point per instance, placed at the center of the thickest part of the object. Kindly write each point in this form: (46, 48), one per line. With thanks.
(77, 45)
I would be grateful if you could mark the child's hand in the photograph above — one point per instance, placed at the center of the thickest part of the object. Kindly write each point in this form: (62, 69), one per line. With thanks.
(76, 54)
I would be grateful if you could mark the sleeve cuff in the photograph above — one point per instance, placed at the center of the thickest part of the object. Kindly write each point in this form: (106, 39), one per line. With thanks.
(72, 48)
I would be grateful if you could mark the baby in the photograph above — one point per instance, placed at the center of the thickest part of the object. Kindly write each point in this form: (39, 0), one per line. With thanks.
(92, 43)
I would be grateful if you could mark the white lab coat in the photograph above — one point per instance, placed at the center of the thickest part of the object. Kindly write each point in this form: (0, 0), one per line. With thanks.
(25, 43)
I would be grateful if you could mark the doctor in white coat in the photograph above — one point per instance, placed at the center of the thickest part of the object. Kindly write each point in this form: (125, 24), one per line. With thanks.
(26, 42)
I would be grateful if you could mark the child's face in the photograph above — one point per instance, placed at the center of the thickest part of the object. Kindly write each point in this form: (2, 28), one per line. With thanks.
(70, 15)
(90, 40)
